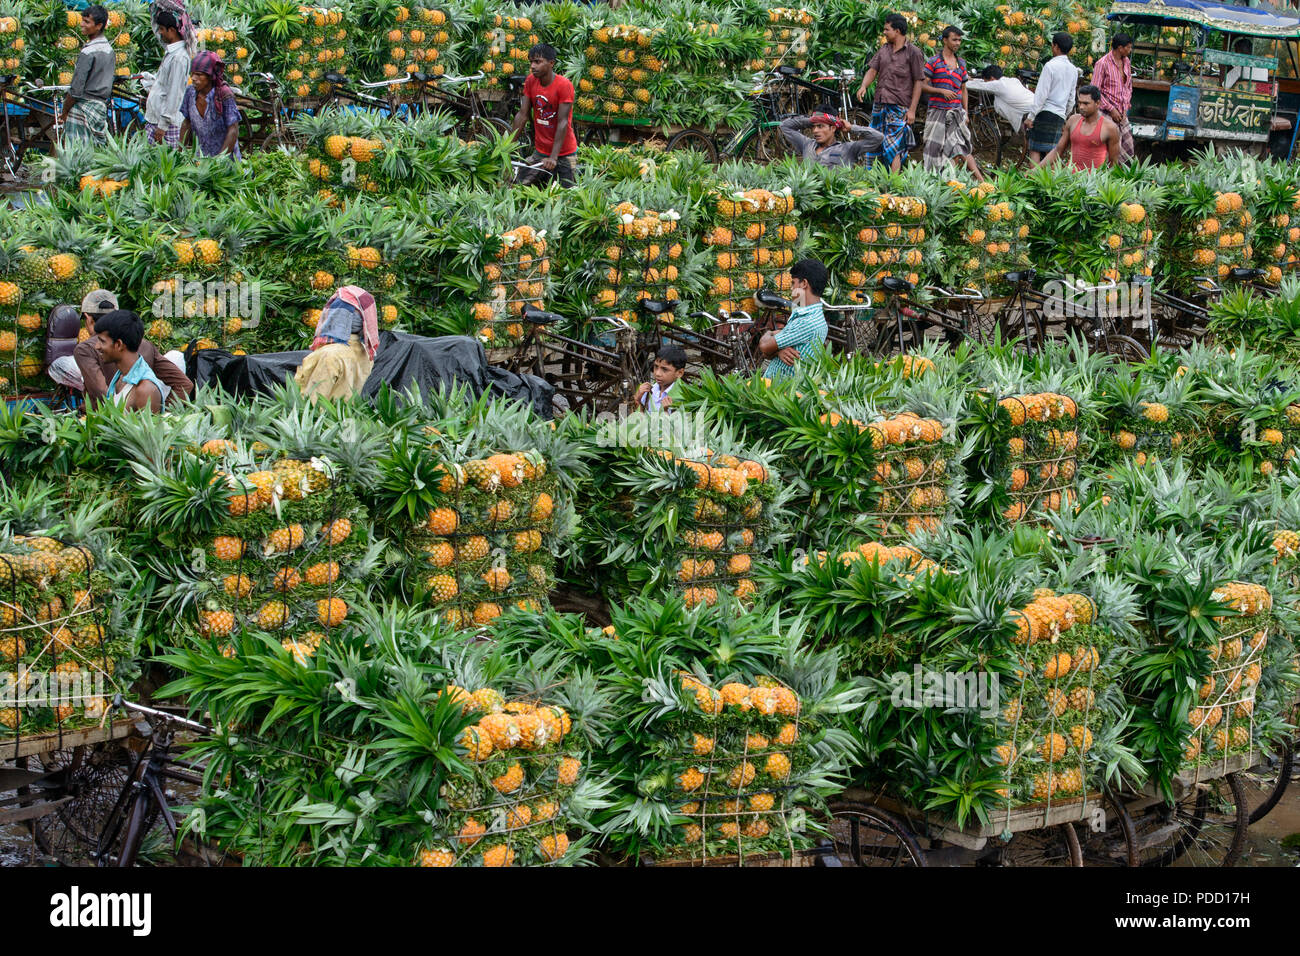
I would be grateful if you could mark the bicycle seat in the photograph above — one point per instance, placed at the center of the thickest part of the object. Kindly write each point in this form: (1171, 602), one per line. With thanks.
(770, 300)
(1027, 76)
(788, 70)
(336, 78)
(538, 317)
(657, 307)
(1024, 275)
(895, 284)
(420, 77)
(1245, 275)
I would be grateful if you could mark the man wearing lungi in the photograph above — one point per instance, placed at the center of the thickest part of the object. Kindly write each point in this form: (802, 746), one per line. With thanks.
(896, 69)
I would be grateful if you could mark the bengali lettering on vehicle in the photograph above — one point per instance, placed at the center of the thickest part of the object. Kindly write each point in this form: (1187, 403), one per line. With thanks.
(1235, 112)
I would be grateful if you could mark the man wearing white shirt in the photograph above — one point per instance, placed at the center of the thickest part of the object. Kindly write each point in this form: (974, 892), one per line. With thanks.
(162, 110)
(1053, 99)
(1011, 98)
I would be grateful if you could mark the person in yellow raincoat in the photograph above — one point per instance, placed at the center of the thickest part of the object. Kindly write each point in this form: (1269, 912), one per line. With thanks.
(343, 351)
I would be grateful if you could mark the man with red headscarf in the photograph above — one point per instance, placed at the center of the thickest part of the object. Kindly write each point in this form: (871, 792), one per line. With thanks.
(820, 145)
(343, 351)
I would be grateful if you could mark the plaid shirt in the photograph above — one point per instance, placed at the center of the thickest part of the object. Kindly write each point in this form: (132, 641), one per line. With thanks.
(806, 331)
(1114, 81)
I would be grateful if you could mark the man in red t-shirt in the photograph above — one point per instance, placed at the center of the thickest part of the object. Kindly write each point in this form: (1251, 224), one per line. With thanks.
(549, 98)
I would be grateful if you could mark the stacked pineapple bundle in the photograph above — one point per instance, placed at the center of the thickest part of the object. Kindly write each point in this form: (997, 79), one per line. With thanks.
(1050, 719)
(316, 278)
(731, 752)
(1223, 717)
(52, 622)
(231, 41)
(1037, 466)
(788, 34)
(912, 456)
(13, 44)
(755, 240)
(1152, 435)
(512, 807)
(893, 245)
(1277, 228)
(1220, 242)
(277, 561)
(1020, 39)
(506, 42)
(69, 42)
(416, 42)
(990, 234)
(489, 544)
(517, 278)
(723, 525)
(192, 304)
(346, 164)
(316, 45)
(1133, 243)
(644, 261)
(619, 65)
(42, 279)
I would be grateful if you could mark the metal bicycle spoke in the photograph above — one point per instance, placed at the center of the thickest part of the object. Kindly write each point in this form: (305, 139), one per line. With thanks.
(866, 836)
(1205, 827)
(92, 778)
(1046, 846)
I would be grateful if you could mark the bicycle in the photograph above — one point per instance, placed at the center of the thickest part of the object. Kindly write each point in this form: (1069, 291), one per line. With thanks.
(476, 119)
(342, 89)
(280, 135)
(912, 321)
(723, 348)
(144, 802)
(586, 375)
(12, 159)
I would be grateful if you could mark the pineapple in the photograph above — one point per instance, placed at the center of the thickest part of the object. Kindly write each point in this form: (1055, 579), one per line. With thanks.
(273, 615)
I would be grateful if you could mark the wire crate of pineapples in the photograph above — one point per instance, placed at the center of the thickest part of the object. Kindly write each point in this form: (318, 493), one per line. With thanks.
(754, 239)
(789, 31)
(1033, 462)
(988, 231)
(643, 256)
(287, 557)
(230, 38)
(310, 44)
(516, 278)
(489, 543)
(890, 239)
(723, 527)
(1223, 717)
(415, 40)
(57, 655)
(512, 808)
(505, 42)
(1062, 704)
(731, 750)
(619, 65)
(914, 467)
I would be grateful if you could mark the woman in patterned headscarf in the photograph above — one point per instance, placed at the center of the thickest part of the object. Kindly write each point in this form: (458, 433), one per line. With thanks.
(343, 351)
(211, 114)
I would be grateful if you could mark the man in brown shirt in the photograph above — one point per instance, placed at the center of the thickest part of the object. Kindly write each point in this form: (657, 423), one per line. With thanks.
(89, 374)
(896, 68)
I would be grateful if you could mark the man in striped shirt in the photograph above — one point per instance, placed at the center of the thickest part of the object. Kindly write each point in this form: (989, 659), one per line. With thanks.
(947, 131)
(1113, 75)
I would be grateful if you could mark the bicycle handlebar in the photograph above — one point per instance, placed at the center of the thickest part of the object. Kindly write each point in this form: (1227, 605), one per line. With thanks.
(966, 293)
(396, 81)
(462, 79)
(120, 704)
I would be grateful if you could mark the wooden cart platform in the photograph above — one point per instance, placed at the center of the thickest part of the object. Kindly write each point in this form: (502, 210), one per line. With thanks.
(30, 746)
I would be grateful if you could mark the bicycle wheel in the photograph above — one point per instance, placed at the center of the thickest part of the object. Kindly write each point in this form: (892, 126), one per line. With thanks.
(487, 126)
(1264, 785)
(1046, 846)
(697, 142)
(1113, 846)
(93, 778)
(1126, 348)
(986, 139)
(764, 146)
(1206, 827)
(866, 836)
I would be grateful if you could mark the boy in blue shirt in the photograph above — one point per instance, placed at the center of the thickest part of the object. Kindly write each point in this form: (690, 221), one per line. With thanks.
(805, 331)
(117, 340)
